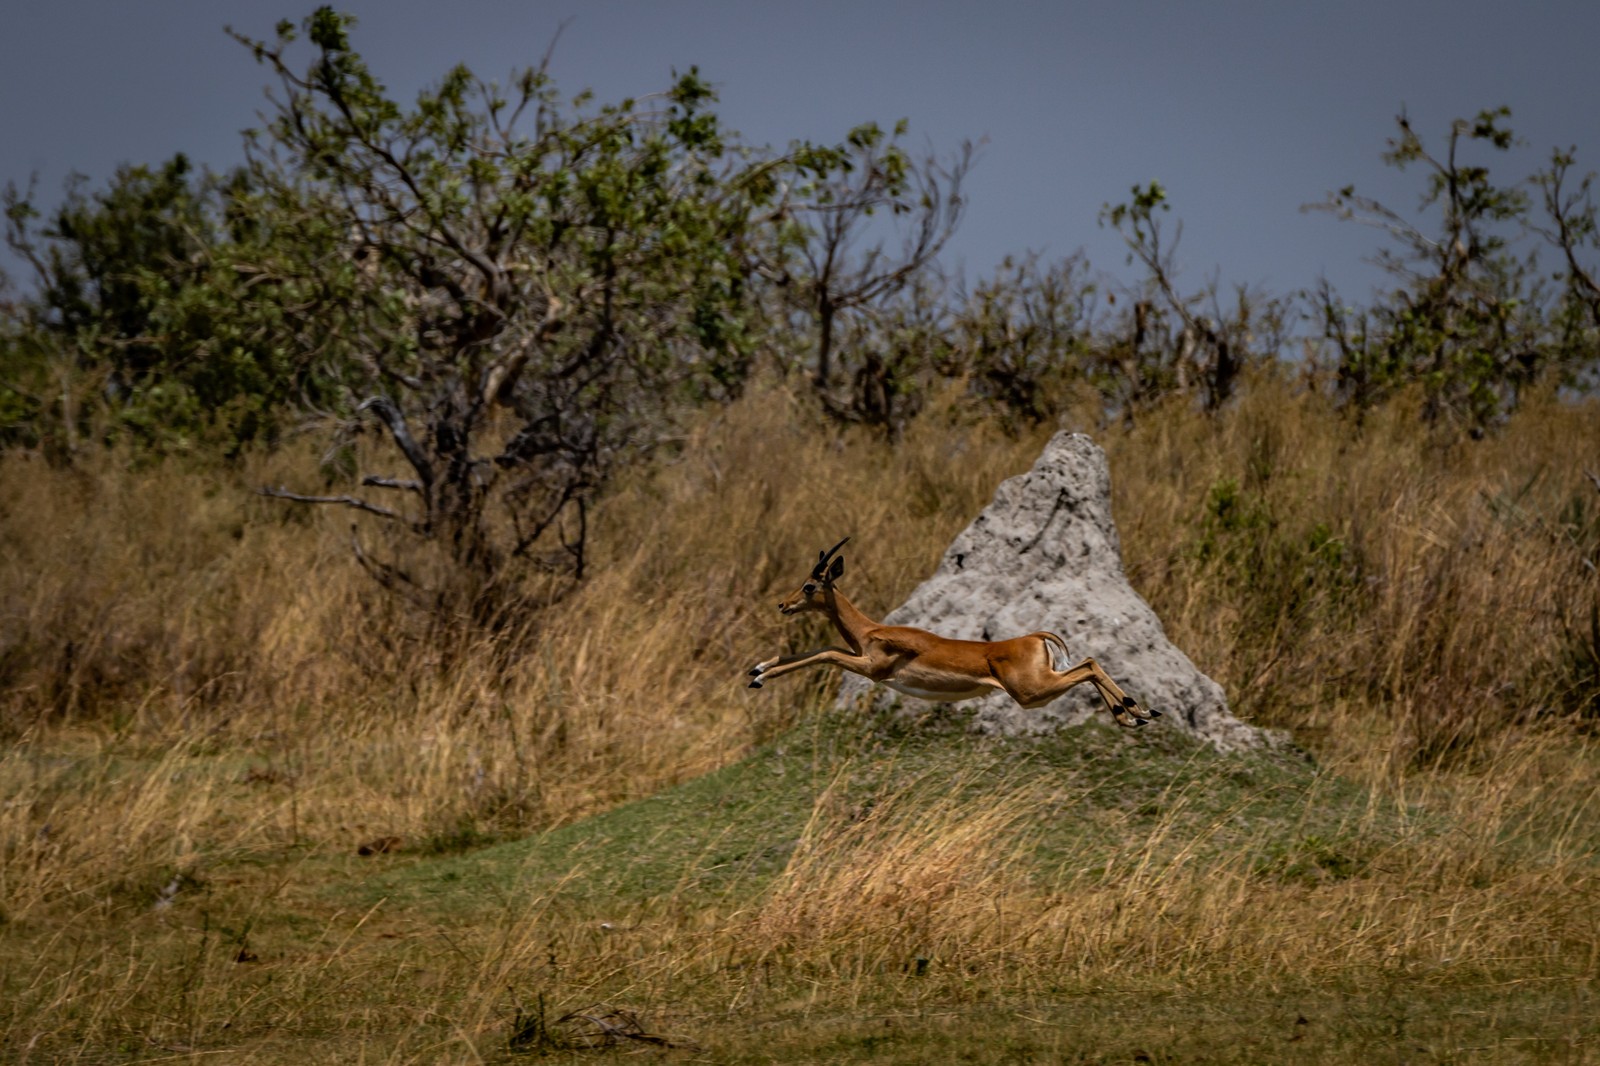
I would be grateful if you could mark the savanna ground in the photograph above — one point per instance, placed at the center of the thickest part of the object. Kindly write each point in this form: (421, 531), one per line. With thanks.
(605, 844)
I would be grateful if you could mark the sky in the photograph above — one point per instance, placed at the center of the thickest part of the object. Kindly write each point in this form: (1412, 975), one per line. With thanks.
(1244, 111)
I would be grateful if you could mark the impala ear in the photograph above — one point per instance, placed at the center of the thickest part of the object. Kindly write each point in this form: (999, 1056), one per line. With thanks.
(837, 570)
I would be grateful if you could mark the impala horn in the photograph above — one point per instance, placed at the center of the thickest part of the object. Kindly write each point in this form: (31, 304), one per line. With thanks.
(820, 571)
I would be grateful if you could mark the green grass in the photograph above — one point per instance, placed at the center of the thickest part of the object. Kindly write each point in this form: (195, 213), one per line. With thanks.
(1408, 1023)
(686, 924)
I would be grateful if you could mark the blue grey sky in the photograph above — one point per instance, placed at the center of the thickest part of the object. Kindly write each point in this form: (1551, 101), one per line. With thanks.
(1243, 110)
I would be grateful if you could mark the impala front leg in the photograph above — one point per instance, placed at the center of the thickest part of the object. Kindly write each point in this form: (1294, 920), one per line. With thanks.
(762, 672)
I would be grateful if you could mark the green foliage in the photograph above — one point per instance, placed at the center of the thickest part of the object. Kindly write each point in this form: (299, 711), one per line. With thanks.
(1285, 578)
(536, 288)
(161, 314)
(1571, 228)
(1166, 343)
(1024, 336)
(1472, 322)
(1138, 215)
(604, 267)
(25, 392)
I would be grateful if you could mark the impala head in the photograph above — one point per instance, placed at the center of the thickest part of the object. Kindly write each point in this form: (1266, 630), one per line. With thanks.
(811, 596)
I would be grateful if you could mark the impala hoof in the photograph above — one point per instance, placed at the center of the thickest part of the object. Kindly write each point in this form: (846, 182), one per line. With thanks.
(756, 683)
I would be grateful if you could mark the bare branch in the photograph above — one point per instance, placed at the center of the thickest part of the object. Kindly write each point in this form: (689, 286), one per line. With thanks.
(1573, 216)
(385, 409)
(282, 493)
(381, 482)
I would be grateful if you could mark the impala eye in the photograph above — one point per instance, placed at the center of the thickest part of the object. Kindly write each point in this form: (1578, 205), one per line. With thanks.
(808, 588)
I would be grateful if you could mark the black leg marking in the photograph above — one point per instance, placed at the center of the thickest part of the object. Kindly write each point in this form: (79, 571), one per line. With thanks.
(1132, 705)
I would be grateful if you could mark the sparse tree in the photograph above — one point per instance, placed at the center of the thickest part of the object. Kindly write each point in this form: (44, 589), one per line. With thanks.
(1206, 352)
(869, 221)
(1463, 323)
(1025, 333)
(1571, 227)
(536, 286)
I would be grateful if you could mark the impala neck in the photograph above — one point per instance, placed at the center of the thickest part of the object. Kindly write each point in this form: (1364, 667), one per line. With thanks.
(848, 619)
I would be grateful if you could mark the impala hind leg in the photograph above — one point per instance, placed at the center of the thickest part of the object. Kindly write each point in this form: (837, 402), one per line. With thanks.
(1130, 707)
(1125, 710)
(1033, 692)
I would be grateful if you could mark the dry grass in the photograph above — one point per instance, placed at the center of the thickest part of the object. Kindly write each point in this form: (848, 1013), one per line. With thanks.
(1379, 592)
(896, 881)
(159, 616)
(205, 709)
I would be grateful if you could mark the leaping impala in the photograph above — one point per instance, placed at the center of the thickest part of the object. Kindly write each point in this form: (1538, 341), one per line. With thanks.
(930, 667)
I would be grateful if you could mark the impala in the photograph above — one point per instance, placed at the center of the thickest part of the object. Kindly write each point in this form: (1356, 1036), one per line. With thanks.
(930, 667)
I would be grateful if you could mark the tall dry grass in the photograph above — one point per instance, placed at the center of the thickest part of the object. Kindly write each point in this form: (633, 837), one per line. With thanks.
(159, 614)
(899, 877)
(194, 681)
(1389, 599)
(1380, 591)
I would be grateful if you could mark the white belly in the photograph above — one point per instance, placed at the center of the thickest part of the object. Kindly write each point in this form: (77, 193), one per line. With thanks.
(937, 695)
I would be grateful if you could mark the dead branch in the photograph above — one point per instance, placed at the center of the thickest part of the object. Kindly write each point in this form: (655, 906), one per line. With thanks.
(385, 409)
(359, 504)
(381, 482)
